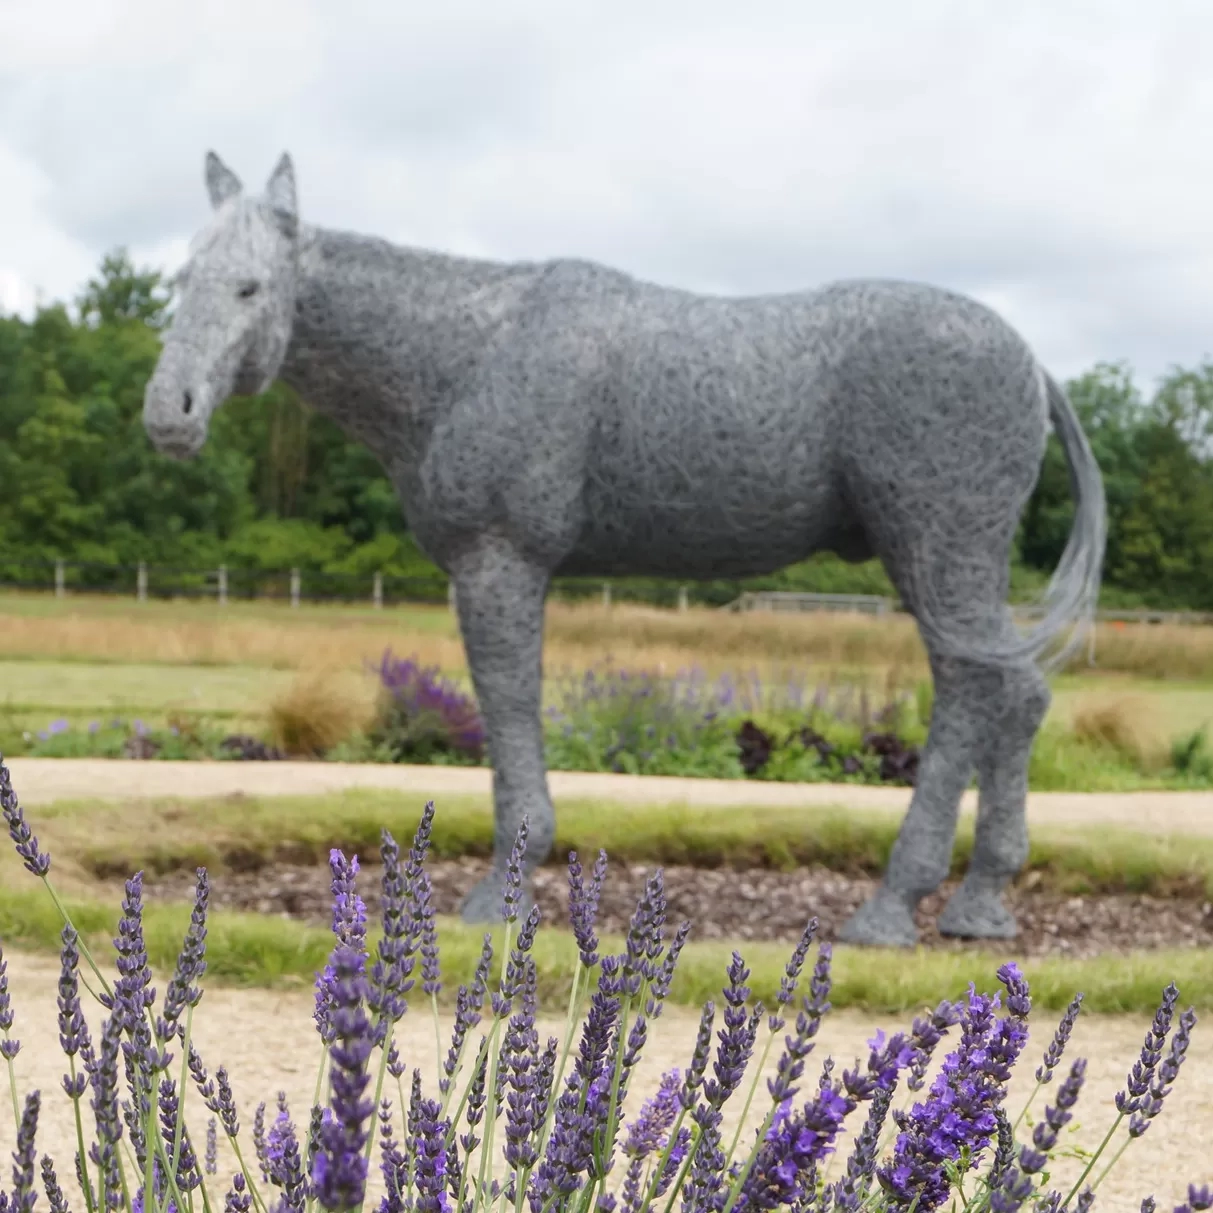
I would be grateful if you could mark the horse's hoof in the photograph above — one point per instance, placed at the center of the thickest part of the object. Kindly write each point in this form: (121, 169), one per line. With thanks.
(970, 915)
(885, 920)
(484, 901)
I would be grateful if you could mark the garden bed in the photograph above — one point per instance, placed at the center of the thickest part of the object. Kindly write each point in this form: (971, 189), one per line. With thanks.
(750, 904)
(643, 722)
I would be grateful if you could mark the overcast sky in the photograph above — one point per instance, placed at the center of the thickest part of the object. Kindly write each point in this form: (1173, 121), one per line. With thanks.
(1051, 158)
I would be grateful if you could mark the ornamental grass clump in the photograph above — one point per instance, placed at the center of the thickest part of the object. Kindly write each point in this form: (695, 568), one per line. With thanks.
(551, 1126)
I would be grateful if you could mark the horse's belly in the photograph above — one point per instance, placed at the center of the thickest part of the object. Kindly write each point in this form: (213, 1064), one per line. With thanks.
(724, 526)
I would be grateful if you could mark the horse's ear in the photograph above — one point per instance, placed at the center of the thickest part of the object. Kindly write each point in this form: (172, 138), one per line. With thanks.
(221, 182)
(280, 194)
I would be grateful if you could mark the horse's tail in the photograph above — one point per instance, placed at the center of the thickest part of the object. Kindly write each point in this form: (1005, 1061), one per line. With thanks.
(1069, 602)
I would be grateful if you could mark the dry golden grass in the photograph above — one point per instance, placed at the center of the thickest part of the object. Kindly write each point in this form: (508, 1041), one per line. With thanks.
(577, 635)
(321, 708)
(1126, 724)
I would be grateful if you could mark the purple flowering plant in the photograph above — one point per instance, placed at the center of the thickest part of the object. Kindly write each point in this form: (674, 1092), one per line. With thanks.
(517, 1126)
(424, 717)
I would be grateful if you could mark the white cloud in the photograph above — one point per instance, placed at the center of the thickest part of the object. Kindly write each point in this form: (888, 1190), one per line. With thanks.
(1048, 159)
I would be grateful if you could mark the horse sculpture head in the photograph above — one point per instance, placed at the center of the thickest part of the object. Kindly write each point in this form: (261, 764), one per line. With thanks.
(235, 308)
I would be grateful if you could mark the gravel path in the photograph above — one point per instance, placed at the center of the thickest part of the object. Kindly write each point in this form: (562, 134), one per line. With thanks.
(41, 780)
(267, 1042)
(756, 903)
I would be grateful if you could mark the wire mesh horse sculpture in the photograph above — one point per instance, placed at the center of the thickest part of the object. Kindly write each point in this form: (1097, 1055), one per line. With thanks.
(564, 418)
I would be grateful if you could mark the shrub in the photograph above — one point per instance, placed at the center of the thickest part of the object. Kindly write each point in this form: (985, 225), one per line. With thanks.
(641, 723)
(424, 717)
(314, 714)
(558, 1118)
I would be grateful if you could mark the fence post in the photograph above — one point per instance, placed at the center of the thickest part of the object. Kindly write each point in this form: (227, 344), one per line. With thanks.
(682, 598)
(223, 585)
(294, 587)
(377, 592)
(450, 597)
(141, 582)
(60, 584)
(606, 594)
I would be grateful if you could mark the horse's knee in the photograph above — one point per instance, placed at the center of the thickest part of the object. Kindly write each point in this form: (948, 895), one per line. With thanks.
(1025, 703)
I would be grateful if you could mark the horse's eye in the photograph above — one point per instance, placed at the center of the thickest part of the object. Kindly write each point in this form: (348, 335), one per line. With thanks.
(248, 290)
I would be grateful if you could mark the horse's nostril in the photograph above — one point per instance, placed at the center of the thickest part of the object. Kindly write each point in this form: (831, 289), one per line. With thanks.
(187, 403)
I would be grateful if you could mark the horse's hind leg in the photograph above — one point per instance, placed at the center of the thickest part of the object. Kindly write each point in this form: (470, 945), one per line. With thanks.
(984, 718)
(499, 596)
(1010, 718)
(922, 854)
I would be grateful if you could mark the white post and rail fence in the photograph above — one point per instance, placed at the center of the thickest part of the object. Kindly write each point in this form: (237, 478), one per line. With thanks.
(144, 581)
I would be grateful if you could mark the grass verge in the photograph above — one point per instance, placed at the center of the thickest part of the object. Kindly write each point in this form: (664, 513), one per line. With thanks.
(253, 951)
(110, 839)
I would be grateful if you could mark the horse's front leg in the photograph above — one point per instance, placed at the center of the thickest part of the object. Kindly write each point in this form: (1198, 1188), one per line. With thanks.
(500, 596)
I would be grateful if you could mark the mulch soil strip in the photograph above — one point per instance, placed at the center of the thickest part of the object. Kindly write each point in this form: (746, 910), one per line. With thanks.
(753, 904)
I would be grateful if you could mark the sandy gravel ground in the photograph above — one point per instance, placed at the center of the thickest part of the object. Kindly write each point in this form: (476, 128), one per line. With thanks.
(266, 1040)
(41, 780)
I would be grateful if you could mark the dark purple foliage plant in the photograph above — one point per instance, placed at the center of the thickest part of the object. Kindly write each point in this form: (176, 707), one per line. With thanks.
(524, 1124)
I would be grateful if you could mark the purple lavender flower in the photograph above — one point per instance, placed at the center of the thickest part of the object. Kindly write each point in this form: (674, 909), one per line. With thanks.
(1164, 1076)
(182, 989)
(466, 1018)
(35, 861)
(519, 1070)
(736, 1040)
(791, 974)
(188, 1177)
(1198, 1199)
(791, 1150)
(1131, 1098)
(647, 1133)
(339, 1168)
(50, 1182)
(699, 1056)
(385, 998)
(659, 989)
(431, 1160)
(926, 1035)
(133, 992)
(212, 1146)
(349, 926)
(24, 1193)
(73, 1030)
(431, 980)
(887, 1057)
(511, 897)
(104, 1079)
(285, 1164)
(643, 940)
(583, 906)
(238, 1199)
(349, 910)
(583, 1106)
(1057, 1046)
(797, 1047)
(851, 1189)
(1035, 1158)
(259, 1143)
(392, 1163)
(426, 713)
(959, 1115)
(9, 1048)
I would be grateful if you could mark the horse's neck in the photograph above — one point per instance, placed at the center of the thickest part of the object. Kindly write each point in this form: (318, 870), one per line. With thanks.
(384, 336)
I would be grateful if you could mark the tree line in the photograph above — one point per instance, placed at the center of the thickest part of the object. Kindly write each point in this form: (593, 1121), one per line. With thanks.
(279, 486)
